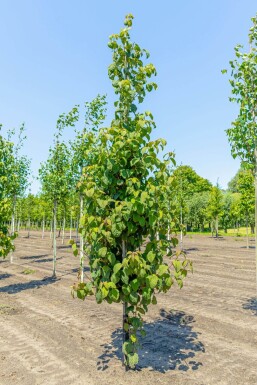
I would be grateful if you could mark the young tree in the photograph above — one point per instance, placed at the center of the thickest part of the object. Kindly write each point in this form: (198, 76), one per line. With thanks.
(243, 133)
(126, 201)
(197, 210)
(19, 178)
(55, 173)
(82, 150)
(6, 169)
(246, 188)
(215, 207)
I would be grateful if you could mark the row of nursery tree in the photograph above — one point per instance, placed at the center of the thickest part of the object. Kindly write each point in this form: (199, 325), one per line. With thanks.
(126, 200)
(198, 206)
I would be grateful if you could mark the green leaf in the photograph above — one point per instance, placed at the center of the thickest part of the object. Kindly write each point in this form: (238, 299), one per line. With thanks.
(150, 256)
(117, 267)
(133, 338)
(132, 359)
(152, 281)
(133, 297)
(114, 295)
(102, 252)
(162, 269)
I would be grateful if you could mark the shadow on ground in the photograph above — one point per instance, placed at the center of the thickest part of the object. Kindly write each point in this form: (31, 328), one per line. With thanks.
(18, 287)
(34, 256)
(251, 304)
(170, 344)
(4, 276)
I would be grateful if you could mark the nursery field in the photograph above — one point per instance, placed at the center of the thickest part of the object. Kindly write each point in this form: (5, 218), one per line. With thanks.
(204, 334)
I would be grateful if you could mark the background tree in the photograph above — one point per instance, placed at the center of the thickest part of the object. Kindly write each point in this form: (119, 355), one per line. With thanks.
(215, 208)
(55, 173)
(243, 133)
(6, 169)
(197, 210)
(82, 148)
(245, 185)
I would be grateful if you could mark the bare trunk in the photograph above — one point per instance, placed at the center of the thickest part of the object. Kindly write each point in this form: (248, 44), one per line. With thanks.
(13, 225)
(70, 225)
(255, 185)
(217, 227)
(125, 334)
(181, 231)
(54, 239)
(81, 244)
(43, 228)
(247, 235)
(63, 230)
(29, 227)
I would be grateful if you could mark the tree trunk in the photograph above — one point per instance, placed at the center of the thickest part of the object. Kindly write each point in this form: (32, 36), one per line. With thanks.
(51, 228)
(54, 239)
(247, 236)
(217, 227)
(63, 230)
(125, 334)
(77, 230)
(181, 231)
(70, 225)
(13, 225)
(81, 244)
(43, 228)
(255, 185)
(29, 227)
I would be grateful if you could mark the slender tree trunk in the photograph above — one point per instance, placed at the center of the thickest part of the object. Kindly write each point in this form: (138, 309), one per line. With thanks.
(29, 227)
(81, 244)
(181, 231)
(51, 228)
(255, 185)
(70, 225)
(13, 225)
(63, 229)
(43, 228)
(125, 334)
(77, 230)
(247, 235)
(217, 227)
(54, 239)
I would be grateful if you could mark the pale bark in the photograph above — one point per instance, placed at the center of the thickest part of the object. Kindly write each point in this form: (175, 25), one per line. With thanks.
(63, 230)
(247, 235)
(81, 244)
(125, 334)
(43, 228)
(255, 185)
(54, 239)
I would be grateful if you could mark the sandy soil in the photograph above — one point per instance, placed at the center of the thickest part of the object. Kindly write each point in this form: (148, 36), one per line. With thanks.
(204, 334)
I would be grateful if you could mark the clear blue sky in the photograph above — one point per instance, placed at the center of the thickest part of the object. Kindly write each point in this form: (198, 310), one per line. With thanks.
(54, 54)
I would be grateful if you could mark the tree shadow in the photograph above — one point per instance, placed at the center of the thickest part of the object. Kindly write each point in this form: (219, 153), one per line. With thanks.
(191, 249)
(76, 269)
(170, 344)
(251, 304)
(47, 260)
(34, 256)
(18, 287)
(245, 247)
(4, 276)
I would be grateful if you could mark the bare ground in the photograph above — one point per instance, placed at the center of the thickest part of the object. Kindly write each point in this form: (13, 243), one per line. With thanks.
(204, 334)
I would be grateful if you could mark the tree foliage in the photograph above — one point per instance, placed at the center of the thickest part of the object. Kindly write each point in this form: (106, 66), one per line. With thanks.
(126, 189)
